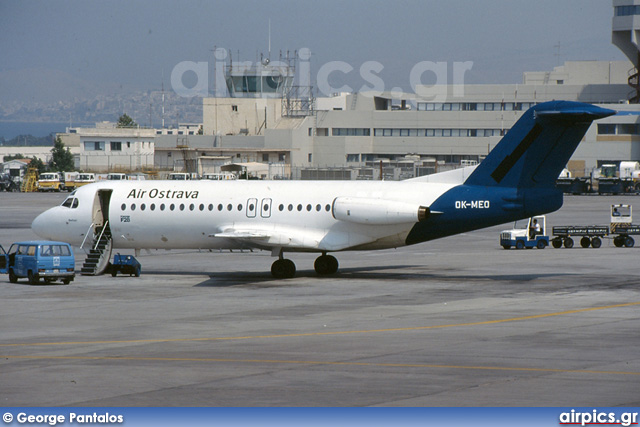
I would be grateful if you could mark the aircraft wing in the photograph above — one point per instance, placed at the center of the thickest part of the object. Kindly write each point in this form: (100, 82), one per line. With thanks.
(292, 238)
(269, 237)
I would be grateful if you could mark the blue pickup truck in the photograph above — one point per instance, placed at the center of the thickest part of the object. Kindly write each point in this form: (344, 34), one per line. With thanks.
(38, 259)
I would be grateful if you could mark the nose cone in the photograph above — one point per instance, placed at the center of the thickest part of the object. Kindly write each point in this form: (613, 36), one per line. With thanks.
(43, 225)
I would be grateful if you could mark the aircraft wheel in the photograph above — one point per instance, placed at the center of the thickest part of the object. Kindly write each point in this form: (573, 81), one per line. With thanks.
(568, 242)
(585, 242)
(519, 244)
(326, 264)
(283, 269)
(596, 242)
(629, 242)
(12, 276)
(557, 242)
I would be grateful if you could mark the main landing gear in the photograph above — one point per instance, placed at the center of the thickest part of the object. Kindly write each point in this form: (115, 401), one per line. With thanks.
(284, 268)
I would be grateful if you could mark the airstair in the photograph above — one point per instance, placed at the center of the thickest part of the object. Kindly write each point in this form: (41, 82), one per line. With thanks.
(98, 258)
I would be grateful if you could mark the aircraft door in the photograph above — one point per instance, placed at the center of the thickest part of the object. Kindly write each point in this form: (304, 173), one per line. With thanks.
(252, 208)
(101, 208)
(265, 208)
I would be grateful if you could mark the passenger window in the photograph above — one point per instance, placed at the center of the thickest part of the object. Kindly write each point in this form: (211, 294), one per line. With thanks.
(318, 207)
(63, 250)
(220, 207)
(172, 206)
(133, 206)
(290, 207)
(181, 206)
(210, 207)
(201, 207)
(281, 207)
(308, 208)
(152, 207)
(123, 207)
(240, 208)
(191, 207)
(143, 207)
(327, 208)
(162, 207)
(46, 250)
(229, 207)
(299, 208)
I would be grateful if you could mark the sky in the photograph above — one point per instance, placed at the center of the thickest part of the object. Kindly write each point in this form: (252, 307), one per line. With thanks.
(131, 44)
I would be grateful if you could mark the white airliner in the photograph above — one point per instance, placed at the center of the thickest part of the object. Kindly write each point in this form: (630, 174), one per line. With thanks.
(516, 180)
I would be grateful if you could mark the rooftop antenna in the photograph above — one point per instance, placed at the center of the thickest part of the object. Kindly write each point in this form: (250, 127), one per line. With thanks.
(269, 39)
(557, 54)
(162, 99)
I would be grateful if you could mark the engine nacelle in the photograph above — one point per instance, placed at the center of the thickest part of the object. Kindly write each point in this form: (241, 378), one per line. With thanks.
(376, 211)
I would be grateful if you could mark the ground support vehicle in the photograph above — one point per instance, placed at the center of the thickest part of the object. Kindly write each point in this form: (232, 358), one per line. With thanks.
(591, 235)
(125, 264)
(620, 227)
(50, 181)
(531, 235)
(38, 259)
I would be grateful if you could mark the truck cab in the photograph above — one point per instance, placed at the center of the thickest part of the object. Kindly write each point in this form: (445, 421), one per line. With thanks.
(84, 179)
(50, 181)
(530, 233)
(179, 176)
(38, 259)
(621, 223)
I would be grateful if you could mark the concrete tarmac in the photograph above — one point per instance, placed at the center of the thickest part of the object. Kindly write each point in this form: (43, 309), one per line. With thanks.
(454, 322)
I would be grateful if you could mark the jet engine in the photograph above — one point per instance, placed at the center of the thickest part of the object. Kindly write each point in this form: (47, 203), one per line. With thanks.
(376, 211)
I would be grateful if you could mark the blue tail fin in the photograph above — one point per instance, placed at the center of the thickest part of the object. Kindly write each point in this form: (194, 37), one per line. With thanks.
(533, 153)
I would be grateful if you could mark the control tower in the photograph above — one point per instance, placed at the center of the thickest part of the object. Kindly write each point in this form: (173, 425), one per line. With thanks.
(260, 79)
(626, 36)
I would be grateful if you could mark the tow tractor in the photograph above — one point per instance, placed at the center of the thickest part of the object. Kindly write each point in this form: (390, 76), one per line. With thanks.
(125, 264)
(531, 233)
(620, 226)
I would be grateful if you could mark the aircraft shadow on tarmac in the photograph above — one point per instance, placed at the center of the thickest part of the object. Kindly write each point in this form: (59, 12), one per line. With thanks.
(388, 273)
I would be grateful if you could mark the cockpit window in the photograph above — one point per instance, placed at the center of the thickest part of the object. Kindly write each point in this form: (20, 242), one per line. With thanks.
(70, 202)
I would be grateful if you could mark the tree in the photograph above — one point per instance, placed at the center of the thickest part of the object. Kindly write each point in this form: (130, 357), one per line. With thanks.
(126, 122)
(37, 163)
(61, 158)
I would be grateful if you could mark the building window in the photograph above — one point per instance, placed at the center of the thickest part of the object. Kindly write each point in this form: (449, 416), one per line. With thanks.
(351, 132)
(310, 157)
(265, 157)
(627, 129)
(116, 146)
(234, 108)
(606, 129)
(94, 146)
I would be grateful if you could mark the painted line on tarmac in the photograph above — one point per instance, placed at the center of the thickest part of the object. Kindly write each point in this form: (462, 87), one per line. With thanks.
(312, 334)
(323, 363)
